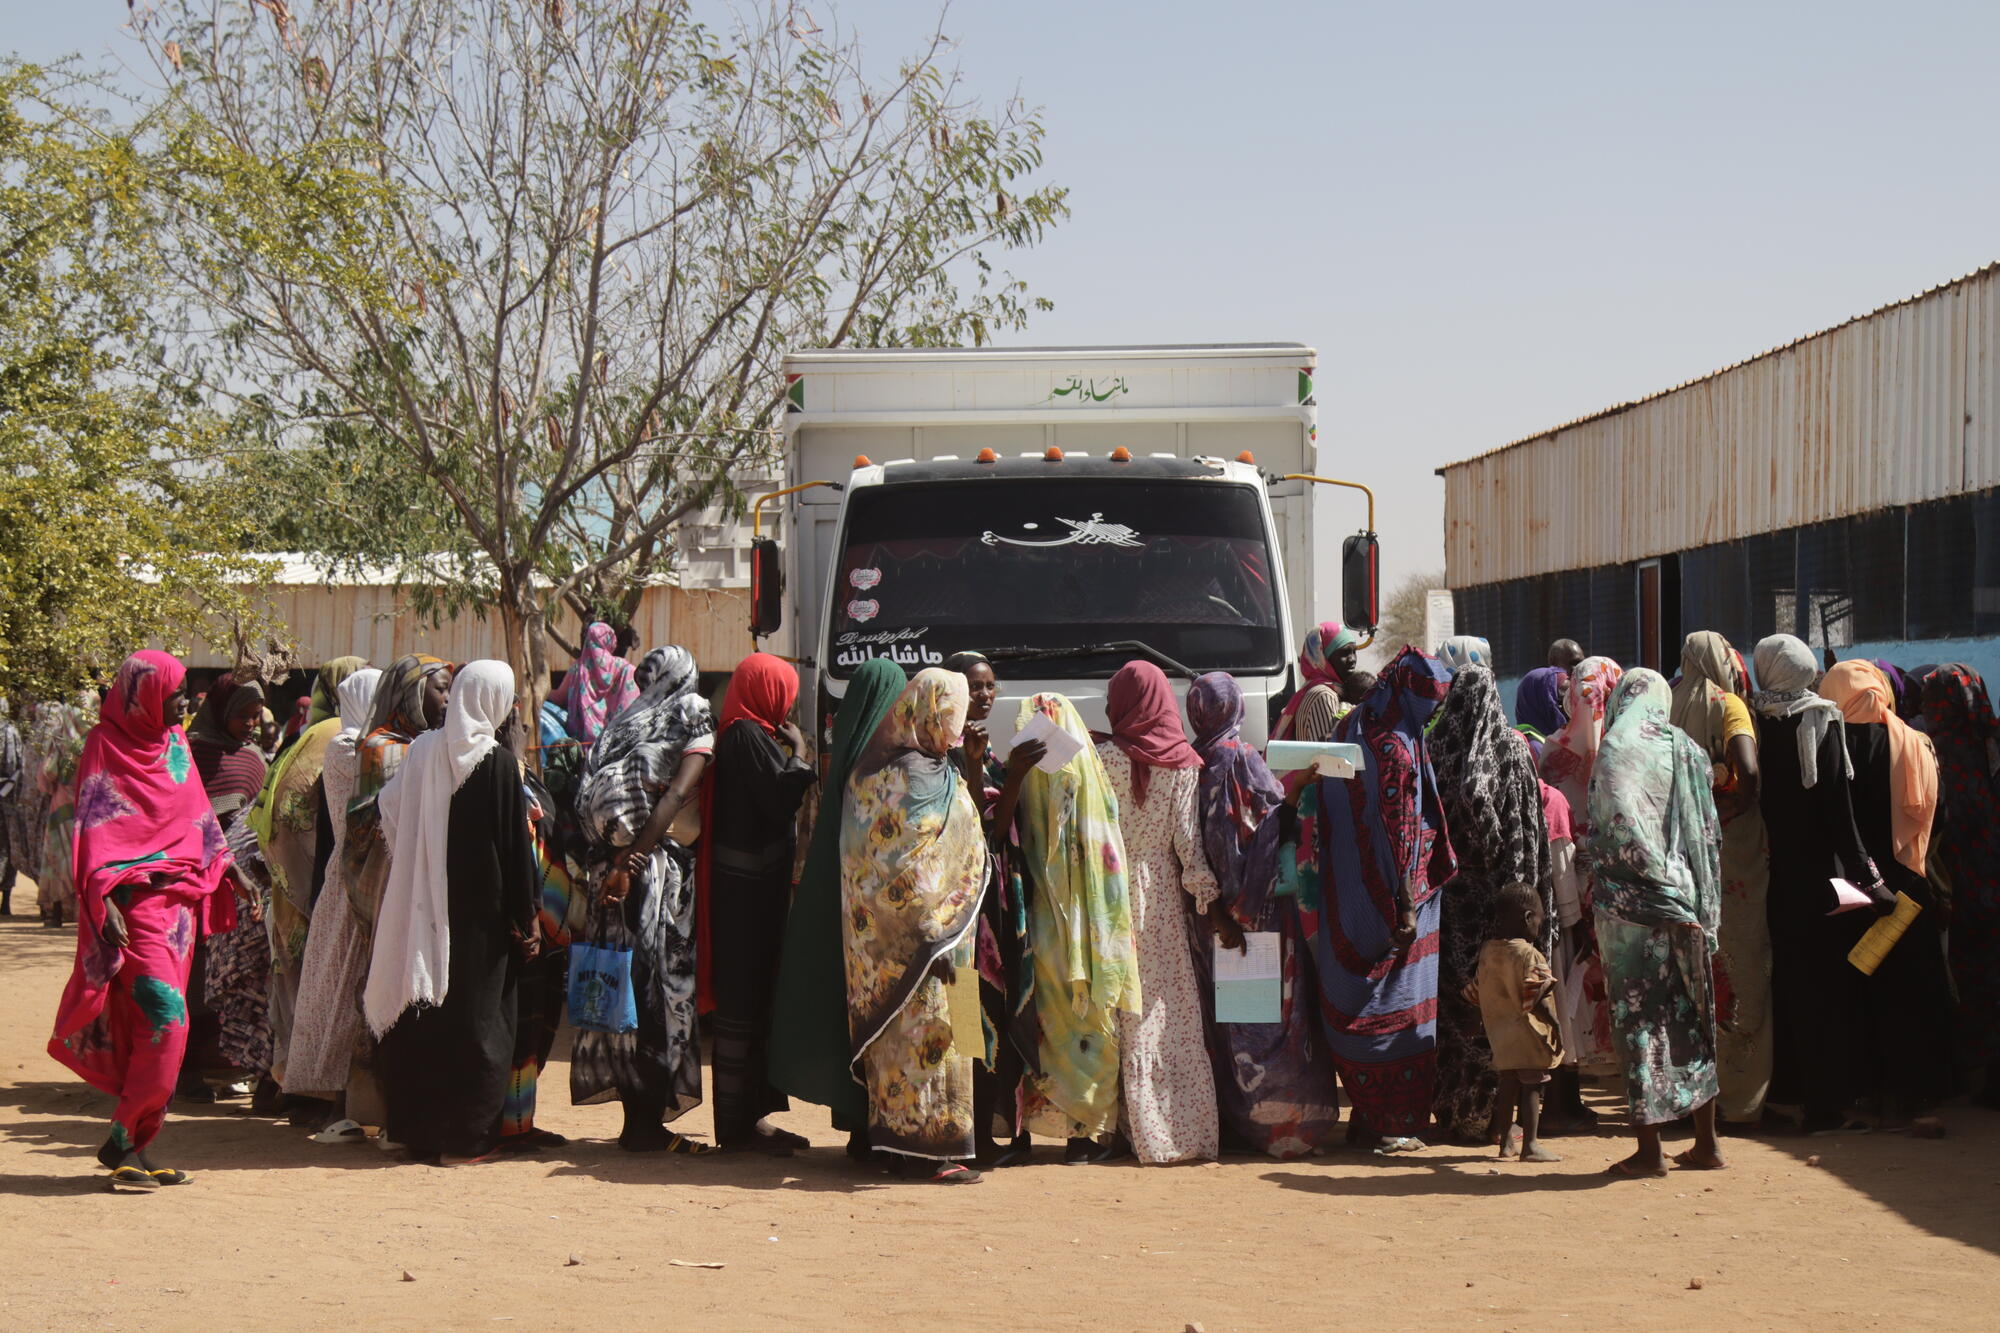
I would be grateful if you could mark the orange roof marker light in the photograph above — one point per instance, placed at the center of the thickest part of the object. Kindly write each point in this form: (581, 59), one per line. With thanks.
(987, 456)
(1053, 454)
(1121, 455)
(861, 461)
(1247, 457)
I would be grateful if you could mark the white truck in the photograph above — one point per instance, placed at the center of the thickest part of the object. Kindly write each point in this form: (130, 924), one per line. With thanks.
(1063, 510)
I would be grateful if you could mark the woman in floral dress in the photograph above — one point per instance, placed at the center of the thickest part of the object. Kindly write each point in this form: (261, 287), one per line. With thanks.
(913, 862)
(1656, 843)
(1167, 1083)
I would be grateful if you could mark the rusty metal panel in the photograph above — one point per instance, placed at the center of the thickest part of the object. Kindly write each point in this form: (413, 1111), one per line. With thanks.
(1895, 407)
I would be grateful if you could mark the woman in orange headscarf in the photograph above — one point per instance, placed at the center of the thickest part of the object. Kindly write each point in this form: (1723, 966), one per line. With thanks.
(1907, 1043)
(750, 804)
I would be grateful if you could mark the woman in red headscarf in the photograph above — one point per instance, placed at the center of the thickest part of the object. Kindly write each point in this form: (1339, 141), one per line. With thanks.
(150, 864)
(1166, 1081)
(750, 805)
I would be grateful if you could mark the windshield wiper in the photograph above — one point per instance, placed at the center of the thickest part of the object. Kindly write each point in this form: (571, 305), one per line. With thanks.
(1019, 654)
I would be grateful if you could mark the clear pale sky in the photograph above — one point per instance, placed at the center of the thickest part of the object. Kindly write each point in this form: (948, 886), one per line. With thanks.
(1488, 218)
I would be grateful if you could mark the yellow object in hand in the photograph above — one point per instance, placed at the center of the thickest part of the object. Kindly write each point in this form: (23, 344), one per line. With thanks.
(1873, 947)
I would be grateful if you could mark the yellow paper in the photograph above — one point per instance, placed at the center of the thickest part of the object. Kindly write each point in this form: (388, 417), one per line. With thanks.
(1867, 955)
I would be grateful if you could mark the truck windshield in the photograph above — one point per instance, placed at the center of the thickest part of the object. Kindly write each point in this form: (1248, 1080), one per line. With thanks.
(930, 569)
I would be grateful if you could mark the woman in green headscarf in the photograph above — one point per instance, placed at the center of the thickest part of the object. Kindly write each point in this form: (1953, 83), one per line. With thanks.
(1080, 931)
(810, 1046)
(286, 820)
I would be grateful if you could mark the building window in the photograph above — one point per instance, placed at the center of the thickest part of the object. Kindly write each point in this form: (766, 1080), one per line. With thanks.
(1650, 600)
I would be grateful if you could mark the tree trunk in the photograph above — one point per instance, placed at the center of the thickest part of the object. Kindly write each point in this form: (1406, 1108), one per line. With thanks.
(523, 625)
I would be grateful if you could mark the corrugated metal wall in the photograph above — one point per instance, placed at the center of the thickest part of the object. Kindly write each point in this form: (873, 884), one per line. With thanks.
(376, 622)
(1896, 407)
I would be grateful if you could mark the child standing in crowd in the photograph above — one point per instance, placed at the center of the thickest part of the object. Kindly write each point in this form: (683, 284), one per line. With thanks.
(1515, 988)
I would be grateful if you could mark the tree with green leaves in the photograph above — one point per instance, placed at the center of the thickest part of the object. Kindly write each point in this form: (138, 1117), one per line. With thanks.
(114, 530)
(509, 283)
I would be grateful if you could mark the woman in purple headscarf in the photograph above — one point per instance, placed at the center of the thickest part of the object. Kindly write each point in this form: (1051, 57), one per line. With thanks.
(1274, 1081)
(1538, 702)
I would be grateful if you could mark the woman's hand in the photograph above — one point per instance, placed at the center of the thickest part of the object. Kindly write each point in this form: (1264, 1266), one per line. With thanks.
(1025, 756)
(1405, 933)
(245, 899)
(529, 941)
(114, 932)
(1227, 933)
(976, 743)
(616, 885)
(793, 737)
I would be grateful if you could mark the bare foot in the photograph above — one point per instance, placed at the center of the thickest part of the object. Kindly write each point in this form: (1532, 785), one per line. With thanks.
(1535, 1152)
(1694, 1159)
(1510, 1142)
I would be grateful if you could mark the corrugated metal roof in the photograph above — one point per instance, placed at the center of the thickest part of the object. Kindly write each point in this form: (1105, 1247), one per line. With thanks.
(1897, 407)
(1615, 409)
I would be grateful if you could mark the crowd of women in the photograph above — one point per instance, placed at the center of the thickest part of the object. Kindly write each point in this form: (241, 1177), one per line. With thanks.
(384, 928)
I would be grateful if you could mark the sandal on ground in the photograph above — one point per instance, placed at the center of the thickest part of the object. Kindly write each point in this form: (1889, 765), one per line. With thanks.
(952, 1173)
(342, 1131)
(166, 1175)
(133, 1180)
(1847, 1125)
(481, 1160)
(1623, 1167)
(783, 1138)
(1686, 1160)
(1077, 1152)
(667, 1141)
(1392, 1144)
(532, 1140)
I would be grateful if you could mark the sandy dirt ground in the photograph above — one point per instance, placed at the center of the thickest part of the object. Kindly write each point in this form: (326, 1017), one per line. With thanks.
(276, 1232)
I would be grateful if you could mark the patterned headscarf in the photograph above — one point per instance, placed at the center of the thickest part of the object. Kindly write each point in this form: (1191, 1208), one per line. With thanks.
(1463, 650)
(599, 686)
(1316, 666)
(1238, 792)
(1655, 840)
(1571, 754)
(1863, 695)
(141, 815)
(325, 698)
(1786, 670)
(913, 853)
(636, 756)
(1487, 784)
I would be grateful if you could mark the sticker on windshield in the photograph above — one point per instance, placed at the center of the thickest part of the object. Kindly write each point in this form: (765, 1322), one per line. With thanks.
(863, 609)
(864, 579)
(905, 647)
(1093, 531)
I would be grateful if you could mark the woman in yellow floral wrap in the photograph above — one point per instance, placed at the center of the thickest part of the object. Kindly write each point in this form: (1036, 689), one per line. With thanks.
(913, 866)
(1080, 924)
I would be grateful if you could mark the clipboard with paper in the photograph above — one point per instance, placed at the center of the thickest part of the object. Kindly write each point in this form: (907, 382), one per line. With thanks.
(1061, 746)
(1250, 984)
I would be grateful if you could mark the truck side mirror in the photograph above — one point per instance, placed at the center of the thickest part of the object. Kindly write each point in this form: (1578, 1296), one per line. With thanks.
(1360, 582)
(767, 587)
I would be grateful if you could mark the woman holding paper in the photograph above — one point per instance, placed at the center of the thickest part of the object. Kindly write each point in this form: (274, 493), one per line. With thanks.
(1808, 807)
(1274, 1081)
(1166, 1081)
(1909, 1052)
(1080, 949)
(1655, 842)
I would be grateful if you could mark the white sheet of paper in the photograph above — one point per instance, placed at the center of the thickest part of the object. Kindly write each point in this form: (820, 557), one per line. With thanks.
(1262, 961)
(1062, 747)
(1847, 898)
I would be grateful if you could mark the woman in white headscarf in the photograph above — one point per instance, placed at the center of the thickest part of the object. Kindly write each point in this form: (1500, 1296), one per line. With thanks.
(326, 1021)
(457, 915)
(1818, 1000)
